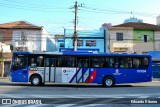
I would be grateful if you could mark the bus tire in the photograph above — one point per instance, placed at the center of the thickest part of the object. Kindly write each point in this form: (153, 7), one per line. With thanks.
(36, 80)
(108, 81)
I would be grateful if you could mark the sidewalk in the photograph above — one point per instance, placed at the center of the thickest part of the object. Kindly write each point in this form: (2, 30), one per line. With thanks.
(156, 79)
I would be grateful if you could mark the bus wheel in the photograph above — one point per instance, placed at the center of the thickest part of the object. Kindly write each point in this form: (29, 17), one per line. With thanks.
(36, 80)
(108, 81)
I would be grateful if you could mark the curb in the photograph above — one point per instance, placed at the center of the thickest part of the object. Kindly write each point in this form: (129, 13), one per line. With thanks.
(4, 77)
(156, 79)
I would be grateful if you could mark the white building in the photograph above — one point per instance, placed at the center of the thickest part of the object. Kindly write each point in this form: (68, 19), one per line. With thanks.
(24, 36)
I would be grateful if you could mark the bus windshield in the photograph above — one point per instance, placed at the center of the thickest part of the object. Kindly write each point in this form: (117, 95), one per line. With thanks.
(19, 62)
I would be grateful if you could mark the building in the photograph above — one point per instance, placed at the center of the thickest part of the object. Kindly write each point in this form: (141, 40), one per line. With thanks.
(59, 42)
(133, 19)
(5, 59)
(120, 40)
(144, 37)
(23, 36)
(93, 40)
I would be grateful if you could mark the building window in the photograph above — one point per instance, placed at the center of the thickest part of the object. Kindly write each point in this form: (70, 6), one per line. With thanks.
(1, 37)
(79, 43)
(23, 39)
(119, 36)
(90, 42)
(23, 36)
(145, 38)
(62, 45)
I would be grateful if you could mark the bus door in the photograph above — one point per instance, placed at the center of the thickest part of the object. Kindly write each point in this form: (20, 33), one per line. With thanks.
(50, 69)
(19, 72)
(82, 69)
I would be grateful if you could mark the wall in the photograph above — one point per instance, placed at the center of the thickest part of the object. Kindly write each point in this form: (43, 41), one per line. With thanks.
(48, 42)
(33, 42)
(84, 35)
(7, 35)
(157, 40)
(127, 42)
(141, 46)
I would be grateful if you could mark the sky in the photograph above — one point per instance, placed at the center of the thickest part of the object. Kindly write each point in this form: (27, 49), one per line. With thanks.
(57, 15)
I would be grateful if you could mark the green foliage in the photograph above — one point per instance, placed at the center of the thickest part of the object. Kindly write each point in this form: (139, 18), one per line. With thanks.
(1, 59)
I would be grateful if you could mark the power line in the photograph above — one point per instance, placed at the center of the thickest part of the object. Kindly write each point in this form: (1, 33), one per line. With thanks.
(28, 5)
(22, 7)
(109, 11)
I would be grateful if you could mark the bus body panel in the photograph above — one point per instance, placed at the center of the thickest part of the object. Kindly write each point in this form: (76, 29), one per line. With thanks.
(36, 70)
(64, 75)
(52, 74)
(100, 73)
(20, 75)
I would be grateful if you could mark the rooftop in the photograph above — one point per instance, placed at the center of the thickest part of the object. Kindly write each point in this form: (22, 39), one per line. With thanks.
(139, 25)
(19, 25)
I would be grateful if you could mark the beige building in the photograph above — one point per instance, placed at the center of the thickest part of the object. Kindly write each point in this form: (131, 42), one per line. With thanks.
(134, 37)
(121, 39)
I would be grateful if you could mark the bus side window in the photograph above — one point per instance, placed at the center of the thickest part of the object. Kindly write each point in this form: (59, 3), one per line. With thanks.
(95, 62)
(79, 62)
(32, 62)
(144, 63)
(136, 63)
(114, 62)
(47, 62)
(52, 62)
(66, 61)
(86, 62)
(40, 61)
(106, 62)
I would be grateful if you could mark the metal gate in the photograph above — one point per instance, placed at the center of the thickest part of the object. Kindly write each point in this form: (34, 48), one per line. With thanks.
(156, 69)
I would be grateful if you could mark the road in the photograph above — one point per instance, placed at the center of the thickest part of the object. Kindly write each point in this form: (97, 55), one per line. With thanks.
(82, 95)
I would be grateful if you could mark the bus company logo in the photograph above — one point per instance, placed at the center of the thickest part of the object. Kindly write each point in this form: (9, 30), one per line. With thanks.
(64, 71)
(117, 72)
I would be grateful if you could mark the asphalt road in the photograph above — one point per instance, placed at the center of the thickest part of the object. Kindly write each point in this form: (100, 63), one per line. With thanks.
(82, 95)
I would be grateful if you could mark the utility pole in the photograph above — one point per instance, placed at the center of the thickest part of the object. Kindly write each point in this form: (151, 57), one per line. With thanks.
(75, 40)
(75, 27)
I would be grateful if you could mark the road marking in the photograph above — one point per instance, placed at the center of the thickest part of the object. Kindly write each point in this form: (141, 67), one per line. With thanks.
(66, 105)
(10, 105)
(38, 105)
(77, 96)
(143, 97)
(90, 105)
(11, 96)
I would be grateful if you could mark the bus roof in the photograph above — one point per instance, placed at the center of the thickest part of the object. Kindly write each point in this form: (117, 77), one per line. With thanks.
(82, 54)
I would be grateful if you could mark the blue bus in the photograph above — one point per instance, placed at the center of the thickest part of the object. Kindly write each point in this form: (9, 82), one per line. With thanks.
(80, 67)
